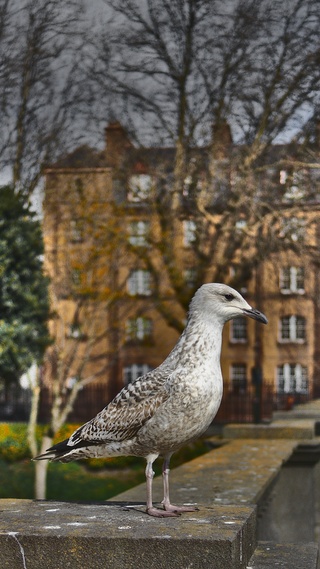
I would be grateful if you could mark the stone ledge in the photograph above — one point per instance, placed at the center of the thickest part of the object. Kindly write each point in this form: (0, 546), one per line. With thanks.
(302, 429)
(269, 555)
(60, 535)
(310, 410)
(237, 473)
(229, 481)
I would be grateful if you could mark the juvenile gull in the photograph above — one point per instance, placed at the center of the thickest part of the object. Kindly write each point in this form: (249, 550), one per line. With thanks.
(169, 406)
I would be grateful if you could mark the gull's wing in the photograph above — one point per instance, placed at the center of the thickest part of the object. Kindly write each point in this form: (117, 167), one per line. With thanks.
(127, 412)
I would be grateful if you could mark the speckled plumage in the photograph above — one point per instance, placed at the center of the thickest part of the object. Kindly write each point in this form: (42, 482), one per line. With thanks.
(171, 405)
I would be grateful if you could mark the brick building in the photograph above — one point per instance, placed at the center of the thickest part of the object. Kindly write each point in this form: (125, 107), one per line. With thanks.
(98, 224)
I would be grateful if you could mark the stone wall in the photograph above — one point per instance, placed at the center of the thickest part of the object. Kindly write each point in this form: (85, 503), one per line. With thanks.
(258, 501)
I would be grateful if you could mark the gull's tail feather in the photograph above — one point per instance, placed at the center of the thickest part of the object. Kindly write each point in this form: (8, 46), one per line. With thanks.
(62, 451)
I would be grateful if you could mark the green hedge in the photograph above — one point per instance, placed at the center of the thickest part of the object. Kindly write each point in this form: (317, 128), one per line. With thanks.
(14, 447)
(14, 439)
(13, 442)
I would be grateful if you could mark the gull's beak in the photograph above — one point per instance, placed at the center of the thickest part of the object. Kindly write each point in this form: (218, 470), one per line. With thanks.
(255, 314)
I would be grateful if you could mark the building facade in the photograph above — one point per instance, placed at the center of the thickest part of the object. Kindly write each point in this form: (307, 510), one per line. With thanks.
(104, 253)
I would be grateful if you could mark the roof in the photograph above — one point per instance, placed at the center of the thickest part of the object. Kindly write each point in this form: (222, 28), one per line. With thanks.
(82, 157)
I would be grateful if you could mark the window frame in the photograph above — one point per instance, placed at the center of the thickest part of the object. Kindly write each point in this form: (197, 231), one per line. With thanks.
(138, 328)
(238, 384)
(189, 232)
(138, 236)
(289, 279)
(136, 370)
(139, 283)
(139, 188)
(233, 325)
(190, 277)
(296, 328)
(293, 377)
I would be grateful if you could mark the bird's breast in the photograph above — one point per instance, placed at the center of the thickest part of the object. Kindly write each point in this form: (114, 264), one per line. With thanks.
(185, 415)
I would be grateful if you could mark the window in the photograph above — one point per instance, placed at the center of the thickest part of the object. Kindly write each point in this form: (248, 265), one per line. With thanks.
(81, 280)
(190, 183)
(189, 232)
(239, 377)
(238, 330)
(292, 329)
(295, 183)
(138, 231)
(283, 175)
(75, 332)
(292, 280)
(190, 277)
(76, 277)
(133, 371)
(235, 272)
(139, 187)
(76, 230)
(241, 224)
(293, 229)
(187, 185)
(292, 378)
(138, 328)
(139, 282)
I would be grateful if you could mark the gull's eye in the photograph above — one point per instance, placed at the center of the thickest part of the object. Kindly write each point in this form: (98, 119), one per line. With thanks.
(229, 297)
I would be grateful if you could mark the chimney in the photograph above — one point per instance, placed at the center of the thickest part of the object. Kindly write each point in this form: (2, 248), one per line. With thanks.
(221, 139)
(117, 142)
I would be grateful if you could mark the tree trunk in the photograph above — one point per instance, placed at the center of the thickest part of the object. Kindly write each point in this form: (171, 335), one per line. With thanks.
(41, 468)
(32, 440)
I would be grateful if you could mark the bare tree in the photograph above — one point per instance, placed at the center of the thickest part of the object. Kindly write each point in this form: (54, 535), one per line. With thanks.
(180, 72)
(83, 242)
(39, 85)
(81, 354)
(178, 66)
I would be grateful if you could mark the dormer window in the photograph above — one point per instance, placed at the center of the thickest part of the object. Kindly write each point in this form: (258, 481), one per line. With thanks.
(293, 229)
(295, 184)
(139, 188)
(241, 224)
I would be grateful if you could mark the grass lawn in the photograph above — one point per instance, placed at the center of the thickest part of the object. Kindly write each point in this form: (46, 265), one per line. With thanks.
(83, 481)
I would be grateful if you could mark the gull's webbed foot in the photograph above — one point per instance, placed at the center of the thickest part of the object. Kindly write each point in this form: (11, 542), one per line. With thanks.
(180, 509)
(157, 513)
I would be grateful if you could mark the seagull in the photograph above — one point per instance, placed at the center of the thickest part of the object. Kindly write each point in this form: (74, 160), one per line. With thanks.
(169, 406)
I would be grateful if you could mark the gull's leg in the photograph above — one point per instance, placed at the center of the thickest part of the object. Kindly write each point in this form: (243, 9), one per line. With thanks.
(166, 500)
(151, 510)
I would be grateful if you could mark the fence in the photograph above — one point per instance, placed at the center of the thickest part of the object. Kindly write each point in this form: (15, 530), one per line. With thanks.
(90, 400)
(235, 407)
(15, 404)
(245, 407)
(248, 407)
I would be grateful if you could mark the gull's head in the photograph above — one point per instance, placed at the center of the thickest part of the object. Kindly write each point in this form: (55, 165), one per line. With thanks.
(223, 303)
